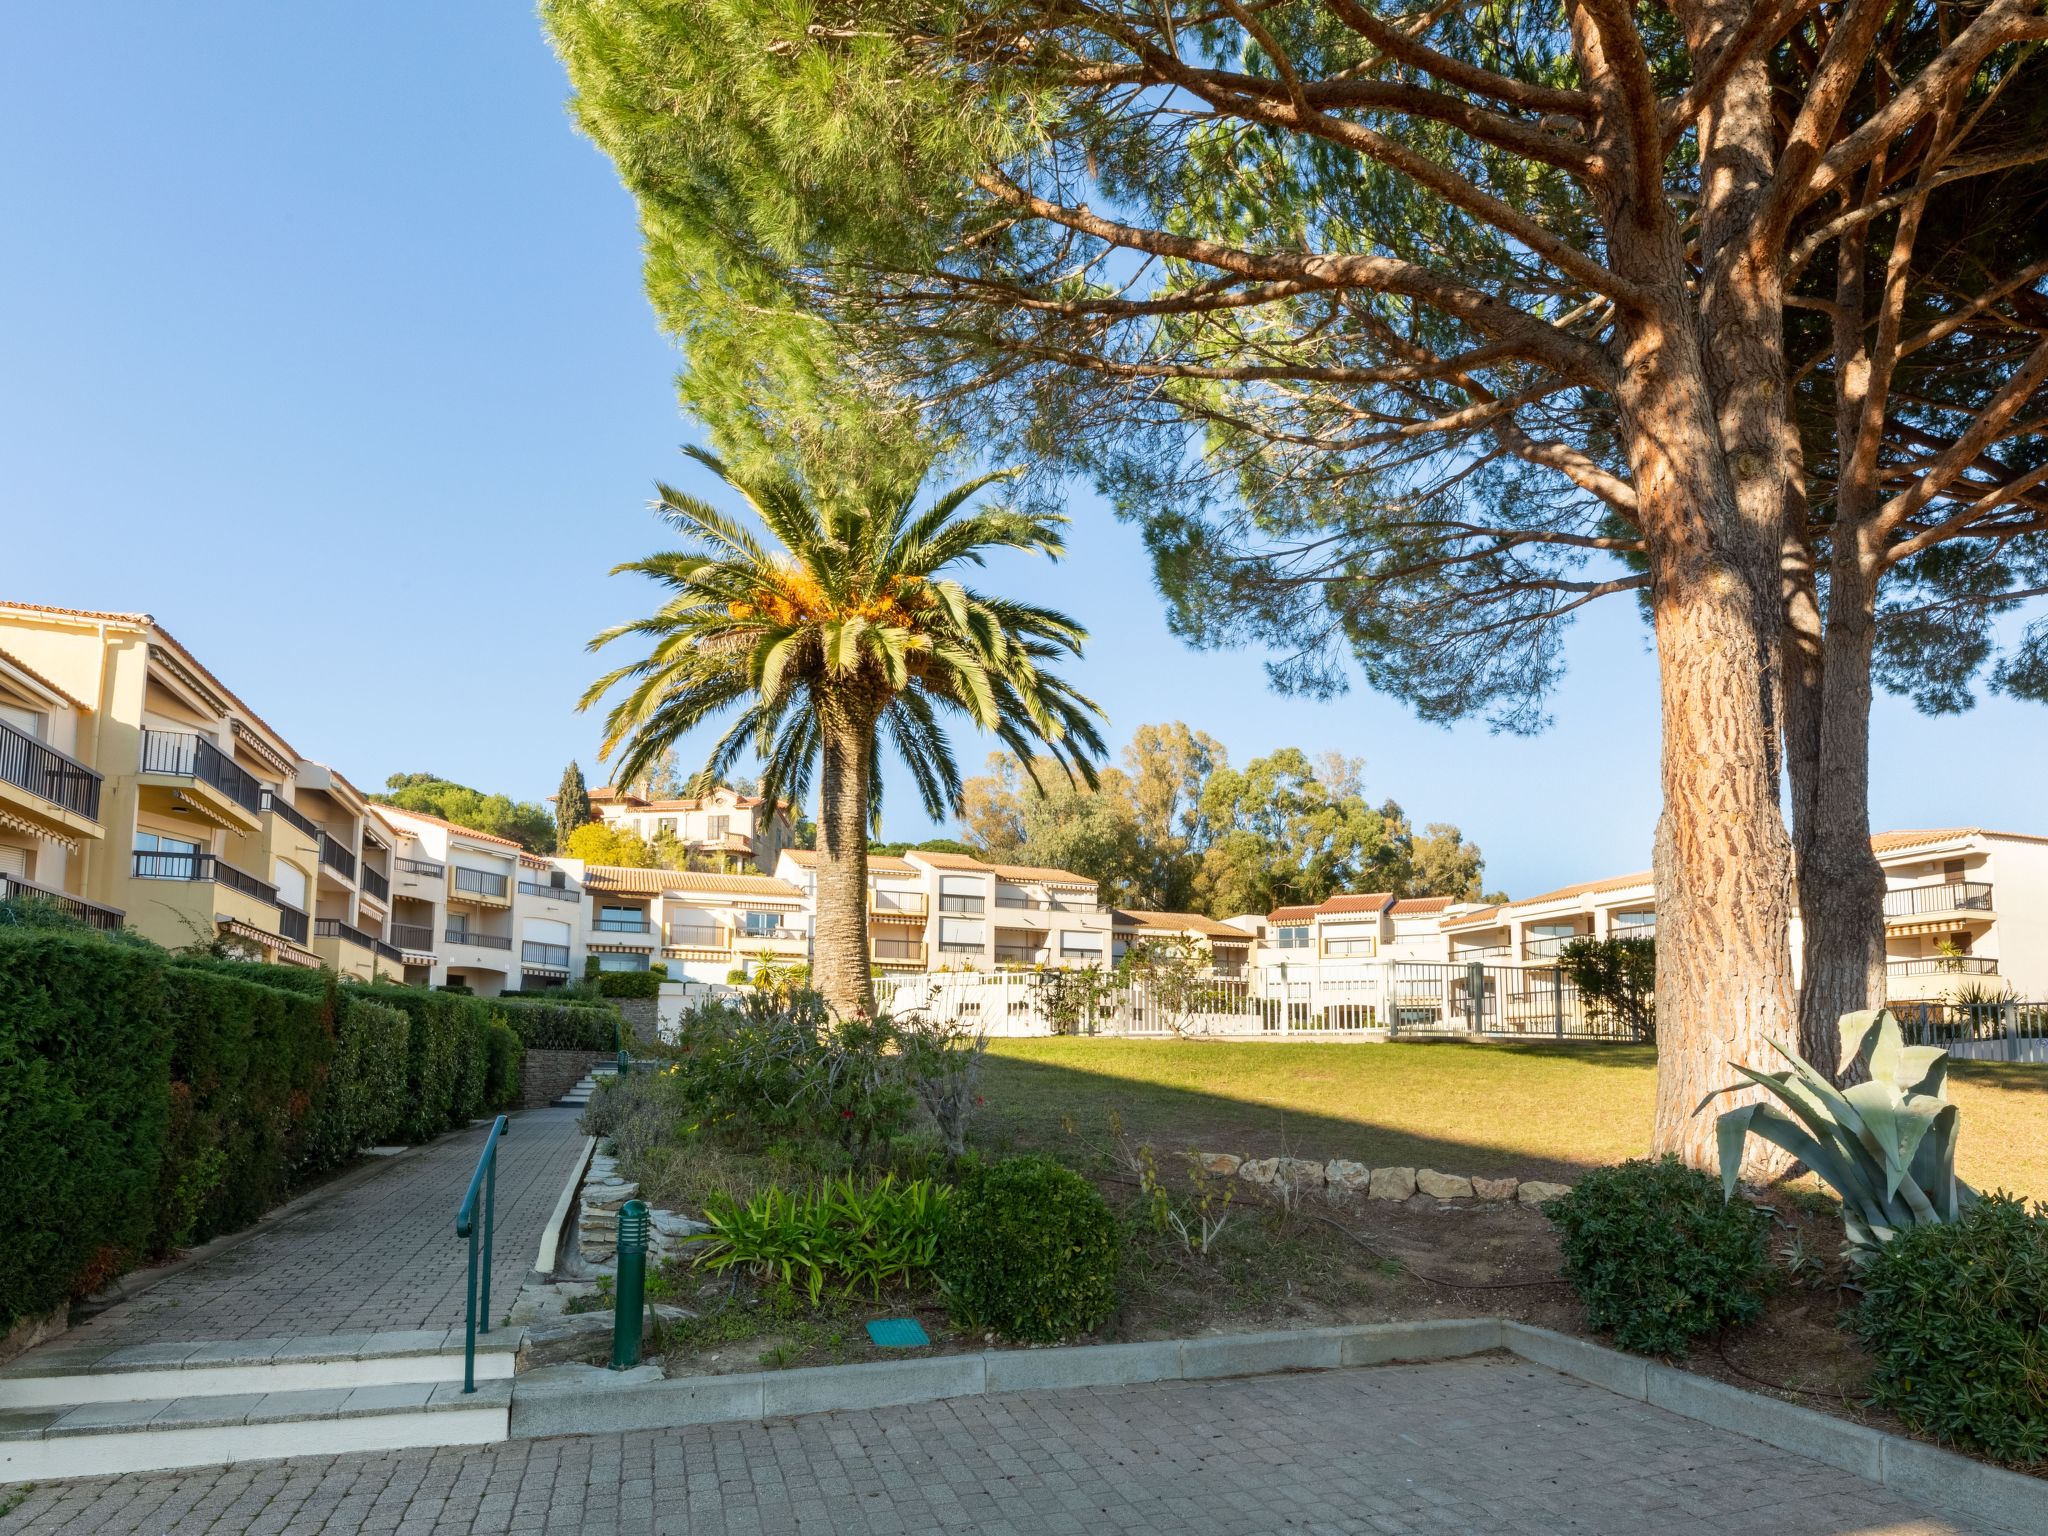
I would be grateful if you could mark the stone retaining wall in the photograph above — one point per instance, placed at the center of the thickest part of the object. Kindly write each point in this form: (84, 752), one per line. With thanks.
(1339, 1178)
(547, 1075)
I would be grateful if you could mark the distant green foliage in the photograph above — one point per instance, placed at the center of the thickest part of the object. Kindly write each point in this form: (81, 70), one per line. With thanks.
(572, 802)
(1958, 1315)
(1658, 1256)
(864, 1237)
(523, 821)
(1029, 1251)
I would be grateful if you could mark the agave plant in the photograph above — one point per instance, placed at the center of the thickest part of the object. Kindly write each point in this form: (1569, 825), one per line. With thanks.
(1887, 1145)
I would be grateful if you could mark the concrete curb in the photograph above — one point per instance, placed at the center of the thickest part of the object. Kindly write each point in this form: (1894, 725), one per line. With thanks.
(1940, 1480)
(551, 1236)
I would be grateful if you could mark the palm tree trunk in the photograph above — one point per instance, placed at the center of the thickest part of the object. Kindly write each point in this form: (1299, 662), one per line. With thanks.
(840, 945)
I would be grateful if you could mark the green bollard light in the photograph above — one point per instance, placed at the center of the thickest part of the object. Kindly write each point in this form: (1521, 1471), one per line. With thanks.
(632, 1285)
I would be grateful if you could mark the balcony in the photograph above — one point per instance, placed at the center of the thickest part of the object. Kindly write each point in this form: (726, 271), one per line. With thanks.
(292, 924)
(479, 940)
(108, 919)
(1943, 965)
(416, 937)
(479, 887)
(388, 952)
(420, 869)
(200, 778)
(375, 884)
(898, 906)
(1026, 954)
(898, 953)
(61, 796)
(348, 933)
(704, 938)
(289, 814)
(551, 956)
(623, 928)
(1550, 946)
(1972, 897)
(547, 892)
(337, 858)
(780, 940)
(202, 867)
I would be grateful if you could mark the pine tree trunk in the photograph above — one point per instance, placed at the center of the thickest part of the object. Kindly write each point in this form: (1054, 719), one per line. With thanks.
(839, 947)
(1841, 885)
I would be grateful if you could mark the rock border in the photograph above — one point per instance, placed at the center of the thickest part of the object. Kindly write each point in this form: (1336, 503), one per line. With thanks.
(581, 1400)
(1340, 1177)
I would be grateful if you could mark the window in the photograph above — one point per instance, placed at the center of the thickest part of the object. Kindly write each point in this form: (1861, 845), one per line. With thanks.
(17, 862)
(1081, 942)
(962, 893)
(619, 919)
(290, 883)
(30, 722)
(960, 933)
(1294, 936)
(621, 962)
(665, 824)
(479, 882)
(1349, 944)
(694, 930)
(718, 826)
(165, 858)
(1624, 921)
(544, 930)
(761, 925)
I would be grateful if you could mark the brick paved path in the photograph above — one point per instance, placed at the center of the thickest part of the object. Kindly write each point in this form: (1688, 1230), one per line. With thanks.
(1484, 1445)
(380, 1255)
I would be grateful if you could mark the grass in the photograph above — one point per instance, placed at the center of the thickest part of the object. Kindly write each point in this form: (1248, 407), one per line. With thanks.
(1528, 1110)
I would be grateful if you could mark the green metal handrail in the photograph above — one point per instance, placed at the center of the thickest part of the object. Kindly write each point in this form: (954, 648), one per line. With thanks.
(485, 1179)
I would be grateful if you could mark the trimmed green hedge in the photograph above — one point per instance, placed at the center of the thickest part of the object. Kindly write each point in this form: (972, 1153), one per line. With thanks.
(544, 1026)
(149, 1101)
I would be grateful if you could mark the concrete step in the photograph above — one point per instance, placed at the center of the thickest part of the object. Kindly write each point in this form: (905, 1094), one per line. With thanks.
(67, 1373)
(100, 1439)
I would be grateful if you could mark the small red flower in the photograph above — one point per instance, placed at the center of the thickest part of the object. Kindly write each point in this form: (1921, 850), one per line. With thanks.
(979, 1101)
(846, 1114)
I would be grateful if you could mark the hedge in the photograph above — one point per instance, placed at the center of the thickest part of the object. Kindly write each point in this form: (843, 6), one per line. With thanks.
(544, 1026)
(151, 1100)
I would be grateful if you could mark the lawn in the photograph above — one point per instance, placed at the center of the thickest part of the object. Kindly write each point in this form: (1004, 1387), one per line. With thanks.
(1529, 1110)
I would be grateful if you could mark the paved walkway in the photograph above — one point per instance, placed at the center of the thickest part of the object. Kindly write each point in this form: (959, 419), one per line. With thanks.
(1485, 1445)
(380, 1255)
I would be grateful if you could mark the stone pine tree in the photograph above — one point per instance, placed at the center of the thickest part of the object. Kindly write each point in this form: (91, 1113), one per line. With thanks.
(844, 630)
(572, 803)
(1408, 333)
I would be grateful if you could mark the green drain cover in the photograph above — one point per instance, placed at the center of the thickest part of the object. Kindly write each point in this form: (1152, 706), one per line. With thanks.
(898, 1333)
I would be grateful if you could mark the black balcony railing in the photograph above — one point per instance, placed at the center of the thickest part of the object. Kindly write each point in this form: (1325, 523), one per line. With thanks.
(292, 924)
(290, 814)
(1944, 965)
(621, 922)
(375, 884)
(336, 857)
(109, 918)
(43, 770)
(389, 951)
(1949, 896)
(554, 955)
(417, 937)
(480, 882)
(202, 866)
(335, 928)
(422, 868)
(961, 903)
(481, 940)
(547, 892)
(181, 754)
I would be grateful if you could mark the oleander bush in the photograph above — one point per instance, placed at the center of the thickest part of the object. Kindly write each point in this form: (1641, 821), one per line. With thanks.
(1958, 1315)
(1030, 1251)
(149, 1100)
(1658, 1256)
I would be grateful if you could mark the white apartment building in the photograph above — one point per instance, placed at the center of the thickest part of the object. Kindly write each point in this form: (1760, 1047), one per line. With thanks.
(724, 826)
(932, 911)
(701, 927)
(1229, 947)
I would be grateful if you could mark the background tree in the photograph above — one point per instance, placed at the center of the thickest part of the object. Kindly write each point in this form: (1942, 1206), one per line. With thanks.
(1407, 335)
(841, 630)
(572, 802)
(596, 843)
(1616, 979)
(526, 823)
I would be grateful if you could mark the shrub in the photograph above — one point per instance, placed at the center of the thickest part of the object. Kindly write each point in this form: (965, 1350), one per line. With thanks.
(1029, 1250)
(1658, 1256)
(1958, 1315)
(868, 1237)
(1617, 980)
(85, 1049)
(503, 1057)
(366, 1101)
(561, 1026)
(630, 983)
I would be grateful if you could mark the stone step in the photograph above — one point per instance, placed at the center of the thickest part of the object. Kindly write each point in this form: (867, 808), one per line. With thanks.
(67, 1373)
(100, 1439)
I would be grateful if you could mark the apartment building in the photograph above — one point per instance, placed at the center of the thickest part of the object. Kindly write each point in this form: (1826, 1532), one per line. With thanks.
(950, 912)
(701, 926)
(724, 827)
(1227, 946)
(136, 787)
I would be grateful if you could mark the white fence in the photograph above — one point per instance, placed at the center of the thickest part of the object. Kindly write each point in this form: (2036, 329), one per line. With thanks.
(1395, 1000)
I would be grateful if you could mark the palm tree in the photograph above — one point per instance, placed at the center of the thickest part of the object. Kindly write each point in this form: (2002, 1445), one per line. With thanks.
(839, 631)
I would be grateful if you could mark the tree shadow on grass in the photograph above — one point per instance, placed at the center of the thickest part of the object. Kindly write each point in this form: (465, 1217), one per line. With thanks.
(1528, 1110)
(2008, 1076)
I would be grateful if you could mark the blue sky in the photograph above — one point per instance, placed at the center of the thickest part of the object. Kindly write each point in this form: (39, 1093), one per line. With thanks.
(322, 339)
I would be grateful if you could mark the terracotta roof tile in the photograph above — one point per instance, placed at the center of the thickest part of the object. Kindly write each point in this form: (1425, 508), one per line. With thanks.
(939, 860)
(1291, 915)
(389, 811)
(1177, 922)
(1042, 875)
(1420, 906)
(612, 877)
(1371, 901)
(807, 858)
